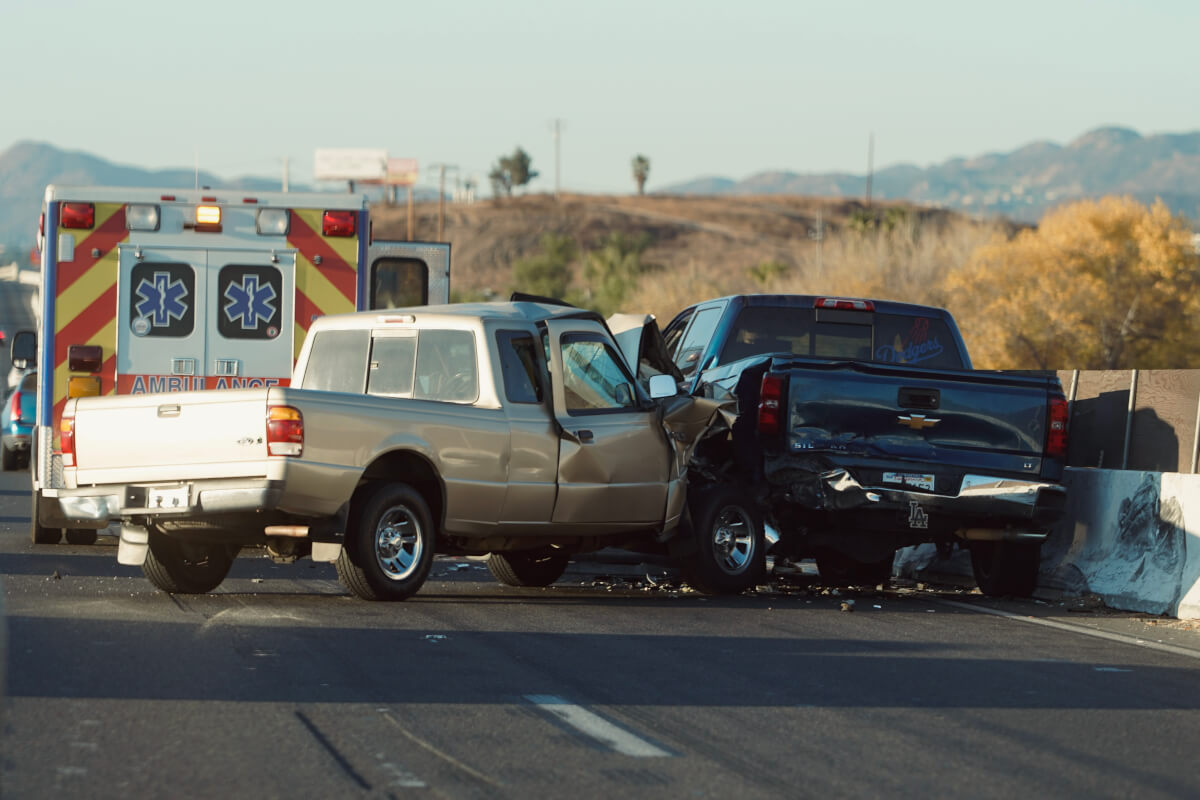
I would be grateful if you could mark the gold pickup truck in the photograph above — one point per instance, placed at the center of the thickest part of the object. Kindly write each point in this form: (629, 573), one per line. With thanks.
(516, 430)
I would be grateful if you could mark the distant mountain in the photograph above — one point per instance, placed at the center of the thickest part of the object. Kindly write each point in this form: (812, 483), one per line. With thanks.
(27, 167)
(1021, 185)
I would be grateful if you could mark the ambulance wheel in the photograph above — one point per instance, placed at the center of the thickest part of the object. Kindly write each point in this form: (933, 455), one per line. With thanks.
(39, 533)
(82, 536)
(389, 544)
(185, 567)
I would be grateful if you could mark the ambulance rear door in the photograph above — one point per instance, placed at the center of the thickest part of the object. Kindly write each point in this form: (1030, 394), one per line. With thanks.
(203, 318)
(403, 274)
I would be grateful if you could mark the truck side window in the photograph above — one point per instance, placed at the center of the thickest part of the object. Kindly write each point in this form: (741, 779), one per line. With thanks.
(446, 367)
(391, 368)
(592, 376)
(520, 367)
(698, 335)
(337, 361)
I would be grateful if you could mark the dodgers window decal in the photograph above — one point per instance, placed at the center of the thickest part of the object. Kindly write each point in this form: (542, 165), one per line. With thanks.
(162, 299)
(250, 301)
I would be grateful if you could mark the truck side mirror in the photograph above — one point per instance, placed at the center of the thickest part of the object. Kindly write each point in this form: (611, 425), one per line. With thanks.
(23, 350)
(662, 386)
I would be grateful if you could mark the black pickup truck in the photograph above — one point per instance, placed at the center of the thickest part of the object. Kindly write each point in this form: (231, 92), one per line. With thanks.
(862, 428)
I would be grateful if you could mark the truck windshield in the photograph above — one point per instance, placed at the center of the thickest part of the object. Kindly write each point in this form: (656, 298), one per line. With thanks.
(856, 335)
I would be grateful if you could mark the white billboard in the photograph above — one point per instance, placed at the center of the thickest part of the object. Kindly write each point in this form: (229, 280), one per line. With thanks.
(349, 164)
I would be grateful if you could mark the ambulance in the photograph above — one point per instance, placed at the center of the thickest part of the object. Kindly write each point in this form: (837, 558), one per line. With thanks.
(153, 290)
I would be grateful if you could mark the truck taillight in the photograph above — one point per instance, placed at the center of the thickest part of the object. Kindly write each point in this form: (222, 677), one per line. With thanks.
(1056, 430)
(770, 405)
(339, 223)
(66, 438)
(844, 304)
(78, 215)
(285, 431)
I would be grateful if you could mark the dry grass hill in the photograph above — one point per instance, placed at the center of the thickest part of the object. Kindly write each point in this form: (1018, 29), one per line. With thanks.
(700, 245)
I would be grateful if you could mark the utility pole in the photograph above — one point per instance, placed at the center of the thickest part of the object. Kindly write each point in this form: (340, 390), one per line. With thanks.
(285, 173)
(442, 195)
(817, 234)
(558, 125)
(870, 165)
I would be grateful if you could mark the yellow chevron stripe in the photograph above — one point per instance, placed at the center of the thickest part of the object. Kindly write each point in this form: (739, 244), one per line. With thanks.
(78, 296)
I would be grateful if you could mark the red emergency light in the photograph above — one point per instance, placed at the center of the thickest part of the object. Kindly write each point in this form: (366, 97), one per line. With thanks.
(339, 223)
(78, 215)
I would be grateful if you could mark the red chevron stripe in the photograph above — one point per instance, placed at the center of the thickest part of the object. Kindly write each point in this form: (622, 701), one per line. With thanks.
(104, 239)
(86, 324)
(333, 267)
(306, 310)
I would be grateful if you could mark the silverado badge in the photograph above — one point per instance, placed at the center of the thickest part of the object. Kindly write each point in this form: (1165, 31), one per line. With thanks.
(918, 421)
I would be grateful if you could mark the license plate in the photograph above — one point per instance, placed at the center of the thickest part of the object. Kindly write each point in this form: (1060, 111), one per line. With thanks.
(175, 497)
(912, 479)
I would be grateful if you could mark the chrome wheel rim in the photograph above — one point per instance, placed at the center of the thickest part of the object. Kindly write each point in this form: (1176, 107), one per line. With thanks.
(733, 539)
(398, 543)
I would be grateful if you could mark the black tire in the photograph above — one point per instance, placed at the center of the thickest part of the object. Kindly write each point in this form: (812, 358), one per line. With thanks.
(528, 567)
(730, 550)
(185, 567)
(82, 536)
(39, 533)
(10, 459)
(1006, 568)
(839, 569)
(389, 544)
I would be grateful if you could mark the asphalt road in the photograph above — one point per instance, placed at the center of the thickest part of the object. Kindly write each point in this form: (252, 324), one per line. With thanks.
(613, 682)
(282, 685)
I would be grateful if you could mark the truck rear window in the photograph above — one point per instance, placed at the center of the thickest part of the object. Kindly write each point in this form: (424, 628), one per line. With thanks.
(860, 336)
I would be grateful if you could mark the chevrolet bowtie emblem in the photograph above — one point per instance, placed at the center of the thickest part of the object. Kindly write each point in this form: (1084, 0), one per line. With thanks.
(918, 422)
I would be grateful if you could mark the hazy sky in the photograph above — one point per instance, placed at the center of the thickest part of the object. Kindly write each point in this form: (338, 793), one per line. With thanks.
(725, 88)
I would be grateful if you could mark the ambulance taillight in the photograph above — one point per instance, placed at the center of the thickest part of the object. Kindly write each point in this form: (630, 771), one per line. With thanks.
(78, 215)
(273, 221)
(339, 223)
(142, 217)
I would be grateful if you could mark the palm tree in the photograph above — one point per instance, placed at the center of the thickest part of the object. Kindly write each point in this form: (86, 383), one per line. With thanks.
(641, 170)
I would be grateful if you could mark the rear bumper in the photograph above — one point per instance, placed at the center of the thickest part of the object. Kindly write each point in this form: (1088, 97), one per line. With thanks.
(984, 507)
(98, 506)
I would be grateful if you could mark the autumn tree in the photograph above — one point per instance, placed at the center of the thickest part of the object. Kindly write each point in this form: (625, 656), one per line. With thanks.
(511, 172)
(641, 171)
(1105, 284)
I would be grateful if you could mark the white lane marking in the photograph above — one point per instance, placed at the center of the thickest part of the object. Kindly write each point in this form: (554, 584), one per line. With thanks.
(596, 727)
(1063, 626)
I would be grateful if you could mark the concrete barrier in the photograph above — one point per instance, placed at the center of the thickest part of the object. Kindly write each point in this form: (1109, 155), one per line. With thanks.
(1130, 537)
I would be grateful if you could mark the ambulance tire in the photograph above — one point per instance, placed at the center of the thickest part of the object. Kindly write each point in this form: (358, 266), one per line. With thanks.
(39, 533)
(186, 568)
(82, 536)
